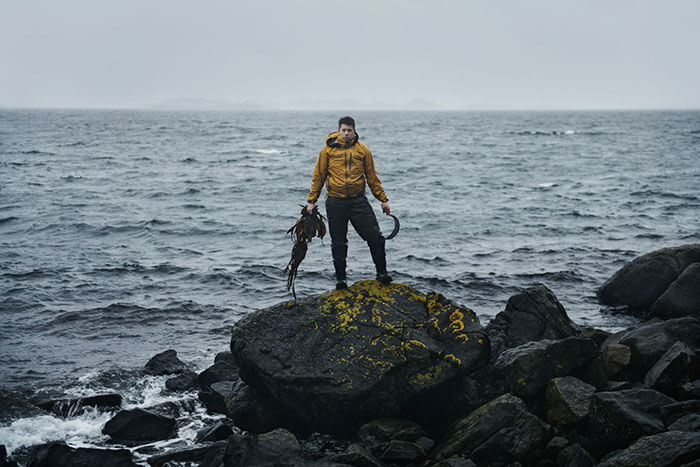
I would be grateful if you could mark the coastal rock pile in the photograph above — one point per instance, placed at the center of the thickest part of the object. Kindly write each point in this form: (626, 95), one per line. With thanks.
(382, 375)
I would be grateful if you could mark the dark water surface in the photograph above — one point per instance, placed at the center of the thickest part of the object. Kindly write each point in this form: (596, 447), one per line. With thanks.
(124, 233)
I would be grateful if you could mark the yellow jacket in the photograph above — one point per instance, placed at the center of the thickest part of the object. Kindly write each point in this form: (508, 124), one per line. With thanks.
(344, 167)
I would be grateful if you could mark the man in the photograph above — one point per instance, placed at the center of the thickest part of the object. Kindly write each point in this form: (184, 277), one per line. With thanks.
(344, 165)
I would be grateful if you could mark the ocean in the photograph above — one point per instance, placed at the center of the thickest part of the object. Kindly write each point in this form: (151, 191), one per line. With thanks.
(126, 233)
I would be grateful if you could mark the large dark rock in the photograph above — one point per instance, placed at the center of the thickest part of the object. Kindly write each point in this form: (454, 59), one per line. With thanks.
(675, 368)
(568, 400)
(221, 370)
(188, 455)
(16, 404)
(528, 368)
(349, 356)
(669, 448)
(216, 432)
(165, 363)
(618, 418)
(76, 406)
(650, 340)
(531, 315)
(499, 432)
(187, 381)
(4, 461)
(640, 283)
(394, 440)
(273, 448)
(214, 397)
(682, 297)
(59, 454)
(139, 426)
(254, 411)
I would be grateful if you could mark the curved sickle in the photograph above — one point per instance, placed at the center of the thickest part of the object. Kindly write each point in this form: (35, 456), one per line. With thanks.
(397, 226)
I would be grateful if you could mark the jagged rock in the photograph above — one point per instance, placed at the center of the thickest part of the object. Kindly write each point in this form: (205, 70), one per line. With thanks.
(225, 356)
(221, 370)
(378, 435)
(640, 283)
(615, 358)
(165, 363)
(592, 373)
(650, 340)
(215, 395)
(275, 447)
(357, 455)
(59, 454)
(402, 451)
(669, 448)
(175, 408)
(531, 315)
(618, 418)
(574, 456)
(669, 413)
(682, 297)
(690, 390)
(529, 367)
(349, 356)
(568, 400)
(188, 455)
(216, 432)
(187, 381)
(501, 431)
(675, 368)
(139, 426)
(598, 335)
(252, 411)
(76, 406)
(689, 422)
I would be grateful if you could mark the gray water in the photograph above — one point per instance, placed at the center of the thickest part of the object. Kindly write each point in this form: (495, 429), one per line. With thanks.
(124, 233)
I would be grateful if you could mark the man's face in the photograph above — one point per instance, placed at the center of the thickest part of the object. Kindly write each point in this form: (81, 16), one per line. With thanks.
(346, 132)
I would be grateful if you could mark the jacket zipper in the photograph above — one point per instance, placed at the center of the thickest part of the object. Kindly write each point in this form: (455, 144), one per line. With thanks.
(347, 173)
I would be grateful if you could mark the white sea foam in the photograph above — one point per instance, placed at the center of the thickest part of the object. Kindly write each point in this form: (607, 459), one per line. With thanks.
(268, 151)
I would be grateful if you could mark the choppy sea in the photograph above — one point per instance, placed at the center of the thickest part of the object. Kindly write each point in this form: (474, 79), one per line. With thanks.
(126, 233)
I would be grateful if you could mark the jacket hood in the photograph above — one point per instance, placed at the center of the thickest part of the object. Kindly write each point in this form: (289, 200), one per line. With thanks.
(332, 140)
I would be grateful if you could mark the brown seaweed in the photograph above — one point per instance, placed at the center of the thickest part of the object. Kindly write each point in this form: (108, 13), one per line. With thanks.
(303, 231)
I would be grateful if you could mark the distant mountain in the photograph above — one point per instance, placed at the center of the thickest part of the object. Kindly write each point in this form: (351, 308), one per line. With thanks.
(298, 104)
(206, 104)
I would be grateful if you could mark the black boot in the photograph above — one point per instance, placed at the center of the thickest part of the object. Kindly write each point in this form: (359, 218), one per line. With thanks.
(379, 257)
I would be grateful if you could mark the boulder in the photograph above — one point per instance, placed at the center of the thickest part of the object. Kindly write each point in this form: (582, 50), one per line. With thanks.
(574, 456)
(650, 340)
(16, 404)
(674, 411)
(221, 370)
(669, 448)
(618, 418)
(188, 455)
(187, 381)
(76, 406)
(682, 297)
(675, 368)
(335, 361)
(531, 315)
(140, 426)
(568, 400)
(528, 368)
(216, 432)
(59, 454)
(165, 363)
(690, 390)
(252, 410)
(640, 283)
(214, 397)
(356, 454)
(689, 422)
(4, 461)
(394, 440)
(499, 432)
(615, 357)
(275, 447)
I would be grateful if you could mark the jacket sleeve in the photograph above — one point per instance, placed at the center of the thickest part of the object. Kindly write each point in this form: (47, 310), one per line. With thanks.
(373, 180)
(319, 177)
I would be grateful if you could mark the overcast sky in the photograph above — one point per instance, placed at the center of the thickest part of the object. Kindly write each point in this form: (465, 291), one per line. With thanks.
(457, 53)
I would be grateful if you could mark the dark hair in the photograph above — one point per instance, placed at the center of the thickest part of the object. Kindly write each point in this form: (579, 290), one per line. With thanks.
(347, 121)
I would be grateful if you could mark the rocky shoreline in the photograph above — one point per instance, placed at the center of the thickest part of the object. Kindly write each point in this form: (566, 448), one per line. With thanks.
(387, 375)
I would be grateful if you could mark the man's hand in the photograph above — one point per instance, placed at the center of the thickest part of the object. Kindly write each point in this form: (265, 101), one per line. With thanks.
(310, 208)
(386, 208)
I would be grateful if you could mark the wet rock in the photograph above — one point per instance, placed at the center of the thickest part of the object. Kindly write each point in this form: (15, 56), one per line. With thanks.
(215, 395)
(187, 381)
(574, 456)
(689, 422)
(139, 426)
(222, 370)
(615, 358)
(357, 455)
(165, 363)
(335, 361)
(528, 368)
(4, 461)
(59, 454)
(682, 298)
(568, 400)
(175, 408)
(676, 367)
(275, 447)
(669, 448)
(190, 454)
(618, 418)
(640, 283)
(76, 406)
(650, 340)
(531, 315)
(501, 431)
(252, 411)
(16, 404)
(217, 432)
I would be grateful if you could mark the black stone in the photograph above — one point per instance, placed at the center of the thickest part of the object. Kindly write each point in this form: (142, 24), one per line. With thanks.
(669, 448)
(190, 454)
(165, 363)
(139, 426)
(76, 406)
(187, 381)
(59, 454)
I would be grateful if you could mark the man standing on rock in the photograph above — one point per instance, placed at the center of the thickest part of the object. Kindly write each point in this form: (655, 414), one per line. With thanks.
(344, 165)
